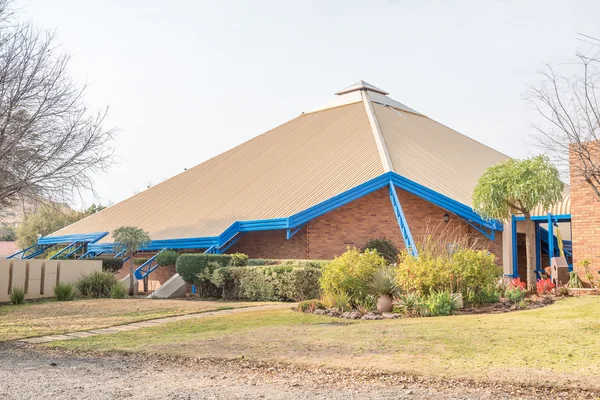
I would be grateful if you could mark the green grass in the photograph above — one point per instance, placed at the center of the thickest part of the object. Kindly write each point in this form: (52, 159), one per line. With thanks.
(558, 343)
(52, 317)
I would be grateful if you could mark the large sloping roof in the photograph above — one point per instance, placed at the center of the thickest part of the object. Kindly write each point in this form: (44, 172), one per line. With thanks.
(360, 135)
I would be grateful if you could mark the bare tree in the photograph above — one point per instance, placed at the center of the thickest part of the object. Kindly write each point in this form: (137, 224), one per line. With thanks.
(570, 117)
(51, 145)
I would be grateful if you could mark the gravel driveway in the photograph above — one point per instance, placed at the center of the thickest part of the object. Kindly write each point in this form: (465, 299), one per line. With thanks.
(26, 373)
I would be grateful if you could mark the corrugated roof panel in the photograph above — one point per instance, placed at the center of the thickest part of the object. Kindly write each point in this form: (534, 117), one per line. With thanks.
(434, 155)
(563, 207)
(277, 174)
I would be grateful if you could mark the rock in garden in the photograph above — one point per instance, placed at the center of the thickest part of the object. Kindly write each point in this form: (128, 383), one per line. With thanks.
(320, 312)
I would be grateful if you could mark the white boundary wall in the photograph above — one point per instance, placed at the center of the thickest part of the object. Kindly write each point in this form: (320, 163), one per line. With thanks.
(38, 277)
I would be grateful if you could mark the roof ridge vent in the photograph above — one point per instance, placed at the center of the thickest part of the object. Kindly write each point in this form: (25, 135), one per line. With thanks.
(361, 85)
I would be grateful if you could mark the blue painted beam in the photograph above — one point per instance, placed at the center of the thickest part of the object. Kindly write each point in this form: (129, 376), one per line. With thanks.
(556, 218)
(62, 251)
(292, 231)
(140, 273)
(403, 224)
(84, 237)
(491, 235)
(550, 236)
(515, 257)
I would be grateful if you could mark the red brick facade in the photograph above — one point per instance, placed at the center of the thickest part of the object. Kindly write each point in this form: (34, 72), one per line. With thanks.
(354, 224)
(585, 222)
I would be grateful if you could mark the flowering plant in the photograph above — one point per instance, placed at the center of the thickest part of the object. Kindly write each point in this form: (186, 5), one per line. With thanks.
(544, 286)
(516, 283)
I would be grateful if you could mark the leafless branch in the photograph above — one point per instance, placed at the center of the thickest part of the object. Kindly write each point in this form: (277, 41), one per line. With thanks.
(51, 144)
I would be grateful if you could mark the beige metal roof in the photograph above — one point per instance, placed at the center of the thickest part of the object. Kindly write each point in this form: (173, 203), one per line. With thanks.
(277, 174)
(561, 208)
(301, 163)
(434, 155)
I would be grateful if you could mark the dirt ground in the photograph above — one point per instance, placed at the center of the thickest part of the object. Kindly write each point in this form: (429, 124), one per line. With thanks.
(28, 373)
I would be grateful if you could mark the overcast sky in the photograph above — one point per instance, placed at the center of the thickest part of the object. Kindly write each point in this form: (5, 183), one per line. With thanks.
(187, 80)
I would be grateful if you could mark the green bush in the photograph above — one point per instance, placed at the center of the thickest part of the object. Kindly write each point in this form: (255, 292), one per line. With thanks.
(110, 264)
(257, 262)
(491, 294)
(467, 271)
(17, 296)
(515, 294)
(118, 291)
(443, 302)
(351, 273)
(137, 261)
(167, 257)
(385, 247)
(195, 267)
(238, 260)
(63, 291)
(96, 284)
(280, 282)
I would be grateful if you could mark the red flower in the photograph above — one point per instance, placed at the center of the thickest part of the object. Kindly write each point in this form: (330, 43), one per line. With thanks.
(544, 286)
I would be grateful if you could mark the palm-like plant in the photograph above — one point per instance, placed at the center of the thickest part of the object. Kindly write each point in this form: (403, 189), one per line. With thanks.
(384, 282)
(130, 239)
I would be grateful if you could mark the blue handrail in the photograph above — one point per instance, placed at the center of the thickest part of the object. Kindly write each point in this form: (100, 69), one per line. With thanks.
(140, 273)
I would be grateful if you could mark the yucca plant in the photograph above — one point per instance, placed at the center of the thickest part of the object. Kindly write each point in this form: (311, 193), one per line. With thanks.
(574, 280)
(384, 283)
(339, 300)
(63, 291)
(17, 296)
(411, 304)
(96, 284)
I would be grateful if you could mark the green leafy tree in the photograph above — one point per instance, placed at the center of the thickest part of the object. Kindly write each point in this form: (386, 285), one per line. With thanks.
(516, 187)
(45, 220)
(130, 239)
(93, 209)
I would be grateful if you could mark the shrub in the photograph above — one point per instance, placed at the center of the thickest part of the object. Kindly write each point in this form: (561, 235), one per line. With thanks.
(368, 303)
(167, 257)
(139, 261)
(474, 270)
(574, 280)
(310, 306)
(564, 291)
(491, 294)
(351, 273)
(118, 291)
(96, 284)
(411, 304)
(385, 247)
(465, 270)
(17, 296)
(238, 260)
(340, 301)
(110, 264)
(515, 294)
(384, 283)
(190, 266)
(280, 282)
(544, 286)
(63, 291)
(442, 302)
(257, 262)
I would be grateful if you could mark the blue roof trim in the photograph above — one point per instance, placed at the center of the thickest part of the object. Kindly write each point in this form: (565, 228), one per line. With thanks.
(311, 213)
(555, 217)
(84, 237)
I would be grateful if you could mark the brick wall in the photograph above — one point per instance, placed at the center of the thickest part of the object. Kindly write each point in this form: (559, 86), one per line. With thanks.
(355, 223)
(585, 221)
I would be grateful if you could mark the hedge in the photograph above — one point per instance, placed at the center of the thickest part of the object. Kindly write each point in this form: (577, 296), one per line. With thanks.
(266, 283)
(110, 264)
(167, 257)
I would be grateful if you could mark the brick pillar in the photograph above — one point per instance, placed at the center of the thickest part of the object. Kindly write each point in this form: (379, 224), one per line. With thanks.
(585, 220)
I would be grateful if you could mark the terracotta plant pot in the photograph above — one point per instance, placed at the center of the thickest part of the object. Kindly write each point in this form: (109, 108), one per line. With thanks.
(384, 304)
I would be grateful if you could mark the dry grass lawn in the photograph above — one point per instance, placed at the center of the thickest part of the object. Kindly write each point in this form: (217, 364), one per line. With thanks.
(49, 318)
(556, 344)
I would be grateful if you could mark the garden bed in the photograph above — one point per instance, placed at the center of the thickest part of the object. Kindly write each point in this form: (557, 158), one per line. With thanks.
(503, 306)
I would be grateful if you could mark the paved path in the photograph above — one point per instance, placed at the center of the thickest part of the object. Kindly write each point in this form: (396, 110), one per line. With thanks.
(149, 323)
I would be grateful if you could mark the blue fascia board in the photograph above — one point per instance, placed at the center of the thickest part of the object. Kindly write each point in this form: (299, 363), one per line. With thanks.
(83, 237)
(555, 218)
(444, 202)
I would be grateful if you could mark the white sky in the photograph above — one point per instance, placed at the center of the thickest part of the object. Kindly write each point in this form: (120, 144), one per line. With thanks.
(187, 80)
